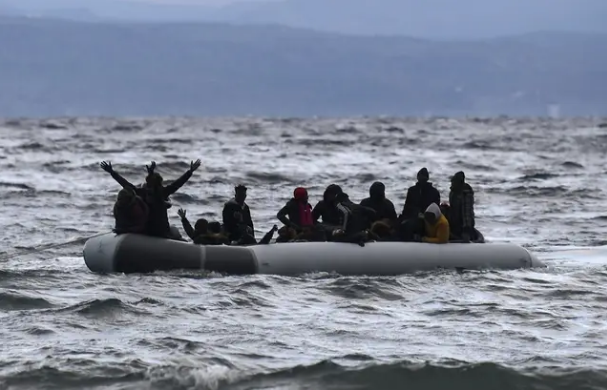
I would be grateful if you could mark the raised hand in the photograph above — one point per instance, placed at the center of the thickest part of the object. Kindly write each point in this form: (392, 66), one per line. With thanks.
(106, 166)
(181, 213)
(194, 165)
(151, 167)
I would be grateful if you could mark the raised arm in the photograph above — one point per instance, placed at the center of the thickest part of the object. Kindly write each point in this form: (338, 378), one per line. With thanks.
(177, 184)
(107, 166)
(189, 230)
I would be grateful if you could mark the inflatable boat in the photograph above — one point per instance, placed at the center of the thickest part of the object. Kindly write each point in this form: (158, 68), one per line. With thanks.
(132, 253)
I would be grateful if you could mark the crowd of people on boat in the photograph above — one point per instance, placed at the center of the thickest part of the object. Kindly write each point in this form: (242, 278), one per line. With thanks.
(143, 209)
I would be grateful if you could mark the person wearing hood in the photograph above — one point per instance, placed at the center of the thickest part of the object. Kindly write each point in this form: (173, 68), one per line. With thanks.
(354, 221)
(130, 213)
(437, 226)
(419, 196)
(326, 209)
(297, 213)
(384, 208)
(155, 195)
(461, 208)
(237, 215)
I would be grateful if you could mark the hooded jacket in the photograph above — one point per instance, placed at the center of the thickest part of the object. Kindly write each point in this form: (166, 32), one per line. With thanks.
(437, 233)
(419, 197)
(461, 211)
(384, 208)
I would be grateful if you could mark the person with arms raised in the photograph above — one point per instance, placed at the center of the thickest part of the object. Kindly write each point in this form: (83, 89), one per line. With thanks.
(156, 196)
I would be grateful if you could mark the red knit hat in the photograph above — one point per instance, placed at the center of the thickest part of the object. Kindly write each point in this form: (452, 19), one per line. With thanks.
(300, 193)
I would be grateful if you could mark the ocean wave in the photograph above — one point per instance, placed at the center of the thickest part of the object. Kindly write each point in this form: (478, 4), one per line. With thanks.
(19, 301)
(220, 374)
(428, 376)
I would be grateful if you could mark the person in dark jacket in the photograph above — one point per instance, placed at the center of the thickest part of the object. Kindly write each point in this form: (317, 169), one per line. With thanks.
(461, 208)
(384, 208)
(201, 234)
(354, 221)
(155, 195)
(297, 213)
(237, 215)
(420, 197)
(130, 213)
(326, 209)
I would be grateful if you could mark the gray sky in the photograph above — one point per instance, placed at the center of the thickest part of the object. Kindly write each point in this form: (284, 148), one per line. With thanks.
(203, 2)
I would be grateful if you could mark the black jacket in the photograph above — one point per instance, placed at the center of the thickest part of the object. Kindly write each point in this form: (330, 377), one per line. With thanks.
(354, 217)
(419, 197)
(158, 218)
(384, 208)
(231, 223)
(329, 213)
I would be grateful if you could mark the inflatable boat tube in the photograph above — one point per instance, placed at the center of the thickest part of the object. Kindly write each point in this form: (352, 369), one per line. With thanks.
(132, 253)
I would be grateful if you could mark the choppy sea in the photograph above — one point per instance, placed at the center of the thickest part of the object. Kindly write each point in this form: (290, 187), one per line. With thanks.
(541, 183)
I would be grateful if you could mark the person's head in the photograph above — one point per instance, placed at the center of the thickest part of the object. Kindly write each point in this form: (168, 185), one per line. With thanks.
(423, 176)
(285, 234)
(214, 227)
(377, 191)
(300, 194)
(341, 197)
(240, 193)
(432, 214)
(331, 192)
(381, 229)
(153, 180)
(125, 196)
(458, 180)
(201, 226)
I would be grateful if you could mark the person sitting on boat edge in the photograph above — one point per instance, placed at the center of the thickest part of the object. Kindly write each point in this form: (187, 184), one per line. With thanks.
(297, 213)
(235, 213)
(419, 197)
(326, 209)
(354, 221)
(155, 195)
(384, 208)
(461, 208)
(437, 226)
(200, 234)
(130, 213)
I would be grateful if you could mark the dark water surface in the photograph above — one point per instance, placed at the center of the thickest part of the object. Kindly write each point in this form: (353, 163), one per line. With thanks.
(539, 183)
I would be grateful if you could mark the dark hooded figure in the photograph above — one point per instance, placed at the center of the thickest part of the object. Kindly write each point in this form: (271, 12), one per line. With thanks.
(461, 208)
(237, 215)
(420, 197)
(384, 208)
(354, 221)
(327, 207)
(130, 213)
(155, 195)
